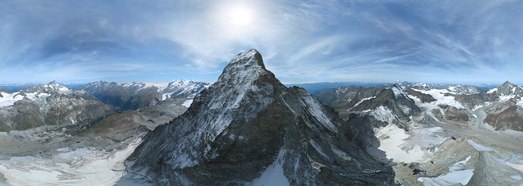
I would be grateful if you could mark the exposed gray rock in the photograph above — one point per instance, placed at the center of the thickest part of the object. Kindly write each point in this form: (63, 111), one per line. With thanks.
(506, 116)
(454, 114)
(51, 104)
(247, 121)
(356, 100)
(509, 88)
(425, 98)
(472, 100)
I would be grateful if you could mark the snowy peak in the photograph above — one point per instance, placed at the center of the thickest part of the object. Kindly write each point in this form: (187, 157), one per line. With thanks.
(180, 83)
(183, 88)
(245, 67)
(508, 88)
(508, 84)
(250, 58)
(398, 90)
(54, 86)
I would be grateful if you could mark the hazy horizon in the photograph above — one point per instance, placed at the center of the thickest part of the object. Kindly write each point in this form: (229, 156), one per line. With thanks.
(285, 83)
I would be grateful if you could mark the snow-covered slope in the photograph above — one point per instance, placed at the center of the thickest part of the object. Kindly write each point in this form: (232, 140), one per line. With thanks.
(84, 166)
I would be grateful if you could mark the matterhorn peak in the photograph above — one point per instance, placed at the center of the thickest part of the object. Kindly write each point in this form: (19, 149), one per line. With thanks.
(251, 58)
(245, 69)
(246, 122)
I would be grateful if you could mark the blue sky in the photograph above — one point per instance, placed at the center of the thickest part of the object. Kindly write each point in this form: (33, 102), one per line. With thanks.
(474, 41)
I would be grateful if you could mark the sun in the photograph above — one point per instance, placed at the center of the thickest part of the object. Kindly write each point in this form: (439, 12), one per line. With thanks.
(239, 15)
(236, 18)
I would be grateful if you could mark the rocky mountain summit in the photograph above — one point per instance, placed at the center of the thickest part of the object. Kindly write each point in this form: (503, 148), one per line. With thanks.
(247, 128)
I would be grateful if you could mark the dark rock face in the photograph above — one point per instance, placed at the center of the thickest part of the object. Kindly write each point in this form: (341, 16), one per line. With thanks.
(506, 116)
(27, 115)
(247, 121)
(425, 98)
(472, 100)
(454, 114)
(509, 88)
(73, 109)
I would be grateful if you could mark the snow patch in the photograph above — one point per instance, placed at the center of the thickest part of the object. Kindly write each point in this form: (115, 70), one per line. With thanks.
(362, 100)
(460, 165)
(340, 153)
(427, 137)
(9, 99)
(273, 175)
(492, 90)
(393, 143)
(478, 146)
(397, 91)
(505, 98)
(187, 103)
(441, 99)
(316, 110)
(318, 148)
(520, 102)
(383, 114)
(516, 177)
(516, 166)
(166, 96)
(83, 166)
(451, 178)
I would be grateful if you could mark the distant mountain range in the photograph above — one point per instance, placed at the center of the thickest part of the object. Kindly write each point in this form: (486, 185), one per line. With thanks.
(54, 104)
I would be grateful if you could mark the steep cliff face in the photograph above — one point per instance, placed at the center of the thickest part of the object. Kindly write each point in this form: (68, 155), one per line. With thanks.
(249, 128)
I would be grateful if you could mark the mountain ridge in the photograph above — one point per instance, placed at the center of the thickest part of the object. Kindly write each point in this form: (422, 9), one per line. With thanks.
(246, 121)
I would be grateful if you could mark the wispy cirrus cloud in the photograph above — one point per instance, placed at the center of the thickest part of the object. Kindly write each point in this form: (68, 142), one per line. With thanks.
(302, 41)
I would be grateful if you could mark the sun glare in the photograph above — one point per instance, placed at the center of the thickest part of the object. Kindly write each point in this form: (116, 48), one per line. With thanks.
(236, 18)
(239, 15)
